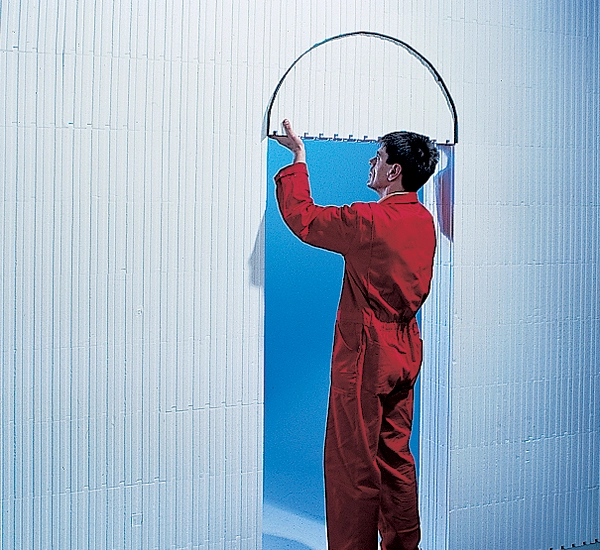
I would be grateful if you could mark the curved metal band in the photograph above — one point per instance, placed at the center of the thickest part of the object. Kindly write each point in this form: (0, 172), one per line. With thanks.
(428, 65)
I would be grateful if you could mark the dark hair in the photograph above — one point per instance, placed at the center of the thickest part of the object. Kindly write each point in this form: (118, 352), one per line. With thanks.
(417, 155)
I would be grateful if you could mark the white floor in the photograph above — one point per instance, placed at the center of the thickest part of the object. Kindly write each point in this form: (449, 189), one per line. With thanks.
(285, 530)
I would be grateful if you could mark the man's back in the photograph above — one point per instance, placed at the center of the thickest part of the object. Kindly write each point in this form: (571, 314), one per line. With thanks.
(389, 269)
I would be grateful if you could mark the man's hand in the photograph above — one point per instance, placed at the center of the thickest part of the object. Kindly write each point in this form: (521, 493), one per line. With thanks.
(292, 142)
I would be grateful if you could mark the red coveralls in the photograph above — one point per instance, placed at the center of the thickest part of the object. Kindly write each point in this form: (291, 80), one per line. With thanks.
(388, 248)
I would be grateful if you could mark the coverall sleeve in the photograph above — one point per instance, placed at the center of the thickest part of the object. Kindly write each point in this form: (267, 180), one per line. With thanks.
(330, 227)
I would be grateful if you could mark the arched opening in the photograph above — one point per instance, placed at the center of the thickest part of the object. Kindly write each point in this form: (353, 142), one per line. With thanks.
(384, 69)
(302, 284)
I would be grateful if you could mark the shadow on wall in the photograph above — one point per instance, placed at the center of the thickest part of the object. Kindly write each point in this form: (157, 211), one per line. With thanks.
(256, 263)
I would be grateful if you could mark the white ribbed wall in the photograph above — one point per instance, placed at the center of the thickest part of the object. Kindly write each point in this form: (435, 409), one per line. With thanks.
(132, 177)
(511, 447)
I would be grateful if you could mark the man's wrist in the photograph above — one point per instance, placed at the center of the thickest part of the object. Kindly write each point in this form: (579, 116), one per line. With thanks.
(300, 156)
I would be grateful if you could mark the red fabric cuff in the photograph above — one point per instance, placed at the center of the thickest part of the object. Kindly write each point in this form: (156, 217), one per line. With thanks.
(291, 170)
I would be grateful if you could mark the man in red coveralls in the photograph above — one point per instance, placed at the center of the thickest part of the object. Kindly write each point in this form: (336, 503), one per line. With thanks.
(388, 248)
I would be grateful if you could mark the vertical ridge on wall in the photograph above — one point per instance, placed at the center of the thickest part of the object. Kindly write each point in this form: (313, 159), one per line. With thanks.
(436, 407)
(131, 306)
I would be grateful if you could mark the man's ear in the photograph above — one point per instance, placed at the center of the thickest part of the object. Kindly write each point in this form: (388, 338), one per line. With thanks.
(395, 172)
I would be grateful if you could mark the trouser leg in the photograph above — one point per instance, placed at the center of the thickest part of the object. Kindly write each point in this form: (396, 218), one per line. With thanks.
(352, 478)
(399, 516)
(370, 480)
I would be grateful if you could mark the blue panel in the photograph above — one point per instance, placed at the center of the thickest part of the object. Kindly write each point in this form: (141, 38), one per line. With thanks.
(302, 288)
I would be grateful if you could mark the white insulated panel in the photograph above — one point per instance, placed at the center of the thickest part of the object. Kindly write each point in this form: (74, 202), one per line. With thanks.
(516, 459)
(131, 330)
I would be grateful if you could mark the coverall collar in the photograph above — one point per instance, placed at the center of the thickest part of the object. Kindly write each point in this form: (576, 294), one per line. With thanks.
(400, 198)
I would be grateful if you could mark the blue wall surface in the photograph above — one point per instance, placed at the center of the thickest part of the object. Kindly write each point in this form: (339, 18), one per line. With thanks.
(302, 288)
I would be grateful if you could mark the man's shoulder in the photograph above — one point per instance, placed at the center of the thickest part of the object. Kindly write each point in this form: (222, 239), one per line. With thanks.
(362, 206)
(360, 209)
(413, 212)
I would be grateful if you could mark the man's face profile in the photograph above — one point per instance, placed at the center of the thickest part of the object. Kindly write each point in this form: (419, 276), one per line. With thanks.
(378, 174)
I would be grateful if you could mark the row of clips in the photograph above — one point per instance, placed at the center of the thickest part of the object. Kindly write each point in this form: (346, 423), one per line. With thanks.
(336, 137)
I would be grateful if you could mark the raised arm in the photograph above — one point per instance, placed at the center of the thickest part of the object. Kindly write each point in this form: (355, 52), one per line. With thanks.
(331, 227)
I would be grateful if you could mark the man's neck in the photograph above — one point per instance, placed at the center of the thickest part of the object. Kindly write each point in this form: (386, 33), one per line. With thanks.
(395, 188)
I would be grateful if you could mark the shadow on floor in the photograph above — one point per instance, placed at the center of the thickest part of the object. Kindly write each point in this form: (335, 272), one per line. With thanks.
(271, 542)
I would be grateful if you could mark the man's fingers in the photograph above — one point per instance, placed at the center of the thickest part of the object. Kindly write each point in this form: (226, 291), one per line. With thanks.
(290, 140)
(289, 133)
(288, 129)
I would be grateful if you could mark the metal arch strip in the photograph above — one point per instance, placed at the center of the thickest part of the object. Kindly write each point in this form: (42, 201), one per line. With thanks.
(436, 75)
